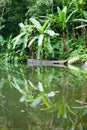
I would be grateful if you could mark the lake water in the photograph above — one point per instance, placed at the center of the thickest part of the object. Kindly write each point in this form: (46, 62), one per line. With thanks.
(43, 98)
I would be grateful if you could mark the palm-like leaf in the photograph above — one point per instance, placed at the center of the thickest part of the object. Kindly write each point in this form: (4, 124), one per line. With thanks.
(17, 39)
(31, 42)
(50, 32)
(40, 39)
(36, 23)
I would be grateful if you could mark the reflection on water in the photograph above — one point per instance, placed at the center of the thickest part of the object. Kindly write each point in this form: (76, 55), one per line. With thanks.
(43, 98)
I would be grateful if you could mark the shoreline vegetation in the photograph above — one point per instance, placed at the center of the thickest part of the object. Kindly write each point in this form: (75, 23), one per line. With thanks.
(46, 30)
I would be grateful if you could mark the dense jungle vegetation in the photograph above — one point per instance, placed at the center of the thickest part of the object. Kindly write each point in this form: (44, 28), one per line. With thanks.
(42, 29)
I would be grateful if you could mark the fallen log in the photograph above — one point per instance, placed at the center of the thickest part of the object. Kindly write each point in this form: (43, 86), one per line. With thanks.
(34, 62)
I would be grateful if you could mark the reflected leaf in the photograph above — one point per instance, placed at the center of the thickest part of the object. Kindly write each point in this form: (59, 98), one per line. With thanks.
(46, 100)
(40, 87)
(70, 110)
(22, 99)
(51, 94)
(62, 111)
(15, 85)
(36, 102)
(31, 84)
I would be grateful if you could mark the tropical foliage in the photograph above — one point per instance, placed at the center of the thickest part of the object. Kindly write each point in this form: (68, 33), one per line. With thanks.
(43, 97)
(47, 29)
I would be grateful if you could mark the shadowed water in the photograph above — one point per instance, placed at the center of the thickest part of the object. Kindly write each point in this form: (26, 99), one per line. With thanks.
(43, 98)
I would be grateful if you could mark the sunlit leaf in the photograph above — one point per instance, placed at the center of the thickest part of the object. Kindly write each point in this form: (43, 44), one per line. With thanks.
(15, 41)
(22, 25)
(25, 40)
(36, 23)
(40, 39)
(64, 9)
(31, 42)
(50, 32)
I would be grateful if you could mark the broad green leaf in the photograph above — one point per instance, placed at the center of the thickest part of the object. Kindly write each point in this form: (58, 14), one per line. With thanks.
(50, 32)
(16, 39)
(22, 25)
(31, 42)
(58, 9)
(25, 40)
(64, 9)
(40, 39)
(62, 17)
(36, 102)
(44, 26)
(36, 23)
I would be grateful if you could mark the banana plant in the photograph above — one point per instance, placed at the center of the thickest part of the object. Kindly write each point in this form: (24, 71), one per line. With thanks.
(23, 37)
(20, 42)
(63, 18)
(43, 34)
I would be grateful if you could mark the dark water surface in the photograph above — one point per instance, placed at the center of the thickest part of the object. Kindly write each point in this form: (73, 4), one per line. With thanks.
(43, 98)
